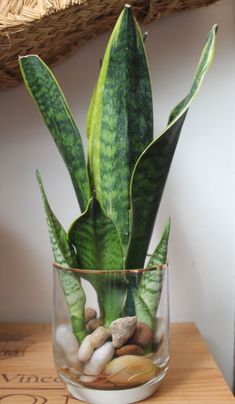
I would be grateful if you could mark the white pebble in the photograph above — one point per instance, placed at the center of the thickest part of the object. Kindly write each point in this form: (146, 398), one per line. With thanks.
(90, 342)
(99, 359)
(66, 339)
(60, 356)
(86, 349)
(161, 327)
(87, 379)
(73, 362)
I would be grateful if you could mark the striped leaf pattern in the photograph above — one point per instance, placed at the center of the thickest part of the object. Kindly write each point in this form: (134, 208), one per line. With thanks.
(141, 310)
(54, 109)
(99, 247)
(64, 255)
(96, 239)
(120, 121)
(148, 295)
(90, 113)
(151, 170)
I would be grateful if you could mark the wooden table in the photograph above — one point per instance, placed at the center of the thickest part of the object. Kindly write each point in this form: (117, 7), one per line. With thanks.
(27, 374)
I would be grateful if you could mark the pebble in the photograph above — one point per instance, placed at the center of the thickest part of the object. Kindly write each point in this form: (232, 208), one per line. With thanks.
(87, 379)
(122, 329)
(99, 336)
(160, 330)
(66, 339)
(91, 342)
(130, 370)
(74, 362)
(67, 347)
(130, 349)
(60, 357)
(93, 324)
(90, 314)
(86, 349)
(74, 373)
(99, 359)
(143, 335)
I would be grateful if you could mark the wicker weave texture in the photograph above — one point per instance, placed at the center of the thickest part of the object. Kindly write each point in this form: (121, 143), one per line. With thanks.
(52, 29)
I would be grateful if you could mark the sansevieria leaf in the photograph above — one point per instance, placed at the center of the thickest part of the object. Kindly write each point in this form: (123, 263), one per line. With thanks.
(90, 113)
(96, 239)
(64, 255)
(151, 170)
(99, 247)
(120, 121)
(47, 94)
(148, 295)
(143, 297)
(159, 256)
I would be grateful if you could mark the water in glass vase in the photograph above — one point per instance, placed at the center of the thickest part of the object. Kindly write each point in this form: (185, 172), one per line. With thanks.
(123, 352)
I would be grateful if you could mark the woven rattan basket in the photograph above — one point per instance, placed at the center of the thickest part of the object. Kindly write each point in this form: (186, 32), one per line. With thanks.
(54, 28)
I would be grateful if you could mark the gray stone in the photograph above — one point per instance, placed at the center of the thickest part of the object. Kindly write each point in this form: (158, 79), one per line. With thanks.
(122, 329)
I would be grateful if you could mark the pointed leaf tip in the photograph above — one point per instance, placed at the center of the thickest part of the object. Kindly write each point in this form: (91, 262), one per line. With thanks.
(39, 178)
(27, 60)
(54, 109)
(119, 131)
(150, 173)
(37, 173)
(32, 55)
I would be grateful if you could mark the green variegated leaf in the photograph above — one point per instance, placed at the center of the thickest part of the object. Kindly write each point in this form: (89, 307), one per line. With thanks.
(99, 247)
(112, 296)
(96, 239)
(159, 256)
(148, 295)
(54, 109)
(64, 255)
(90, 113)
(76, 300)
(152, 168)
(119, 122)
(141, 310)
(62, 250)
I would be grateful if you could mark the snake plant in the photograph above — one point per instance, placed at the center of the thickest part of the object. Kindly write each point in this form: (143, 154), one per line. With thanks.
(119, 187)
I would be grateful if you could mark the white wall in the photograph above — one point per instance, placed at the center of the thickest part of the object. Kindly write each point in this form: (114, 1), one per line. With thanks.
(199, 196)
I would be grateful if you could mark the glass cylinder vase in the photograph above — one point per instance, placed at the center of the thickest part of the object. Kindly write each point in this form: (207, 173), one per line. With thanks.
(111, 332)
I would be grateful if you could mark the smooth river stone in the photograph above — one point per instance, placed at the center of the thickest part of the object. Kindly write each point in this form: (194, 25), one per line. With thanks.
(98, 337)
(66, 339)
(160, 329)
(74, 362)
(130, 349)
(86, 349)
(90, 314)
(99, 359)
(122, 329)
(143, 335)
(130, 370)
(87, 379)
(69, 345)
(93, 324)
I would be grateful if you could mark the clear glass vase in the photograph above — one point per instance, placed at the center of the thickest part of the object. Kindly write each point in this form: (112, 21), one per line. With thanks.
(111, 332)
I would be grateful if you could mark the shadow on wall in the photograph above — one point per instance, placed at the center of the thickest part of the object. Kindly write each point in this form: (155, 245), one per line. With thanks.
(233, 387)
(23, 287)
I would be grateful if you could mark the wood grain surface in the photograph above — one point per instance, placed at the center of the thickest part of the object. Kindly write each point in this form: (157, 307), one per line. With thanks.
(27, 372)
